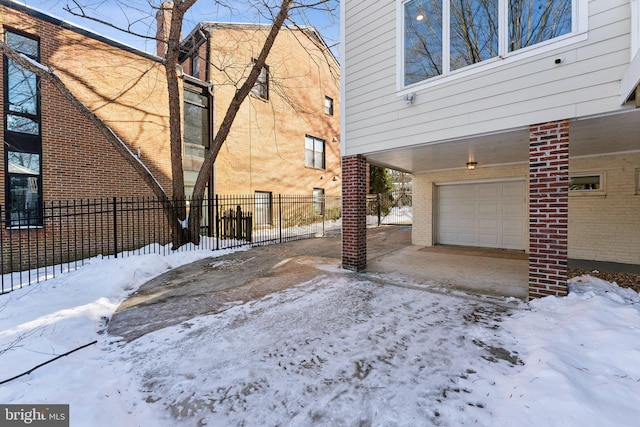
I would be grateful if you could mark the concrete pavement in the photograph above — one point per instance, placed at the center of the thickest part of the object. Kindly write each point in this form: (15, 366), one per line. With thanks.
(213, 285)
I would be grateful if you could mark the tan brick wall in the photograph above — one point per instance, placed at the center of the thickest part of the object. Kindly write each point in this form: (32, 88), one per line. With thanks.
(606, 226)
(126, 90)
(265, 149)
(423, 233)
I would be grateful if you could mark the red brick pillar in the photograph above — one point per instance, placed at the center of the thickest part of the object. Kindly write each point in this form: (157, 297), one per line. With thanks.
(354, 213)
(548, 208)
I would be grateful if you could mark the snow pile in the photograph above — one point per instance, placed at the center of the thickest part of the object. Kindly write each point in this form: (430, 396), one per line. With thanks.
(337, 350)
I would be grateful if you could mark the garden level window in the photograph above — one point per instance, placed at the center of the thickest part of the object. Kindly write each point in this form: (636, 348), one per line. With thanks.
(318, 201)
(586, 183)
(22, 135)
(441, 36)
(314, 152)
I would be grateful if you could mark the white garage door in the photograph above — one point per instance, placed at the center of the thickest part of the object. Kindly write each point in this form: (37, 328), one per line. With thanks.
(489, 215)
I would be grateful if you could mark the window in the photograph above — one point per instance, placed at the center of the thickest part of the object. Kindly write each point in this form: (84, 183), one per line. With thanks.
(22, 136)
(196, 120)
(195, 64)
(261, 87)
(318, 201)
(314, 152)
(264, 208)
(328, 106)
(586, 183)
(441, 36)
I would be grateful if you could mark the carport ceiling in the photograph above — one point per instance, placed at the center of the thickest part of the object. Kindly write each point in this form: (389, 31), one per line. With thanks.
(590, 136)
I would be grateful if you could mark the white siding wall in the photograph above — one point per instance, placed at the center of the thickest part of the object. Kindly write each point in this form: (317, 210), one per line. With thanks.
(514, 94)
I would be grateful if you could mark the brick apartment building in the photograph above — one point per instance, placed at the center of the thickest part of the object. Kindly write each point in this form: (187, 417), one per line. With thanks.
(51, 151)
(285, 139)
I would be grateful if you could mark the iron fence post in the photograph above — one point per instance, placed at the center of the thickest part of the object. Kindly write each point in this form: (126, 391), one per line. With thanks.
(115, 229)
(280, 215)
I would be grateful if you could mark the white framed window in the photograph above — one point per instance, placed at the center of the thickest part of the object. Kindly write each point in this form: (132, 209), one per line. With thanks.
(314, 152)
(440, 37)
(318, 201)
(264, 208)
(328, 106)
(587, 183)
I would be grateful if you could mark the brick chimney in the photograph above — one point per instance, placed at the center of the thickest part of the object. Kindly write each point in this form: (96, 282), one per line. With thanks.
(163, 21)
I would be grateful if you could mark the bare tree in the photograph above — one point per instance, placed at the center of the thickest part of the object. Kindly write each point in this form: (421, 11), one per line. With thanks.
(185, 227)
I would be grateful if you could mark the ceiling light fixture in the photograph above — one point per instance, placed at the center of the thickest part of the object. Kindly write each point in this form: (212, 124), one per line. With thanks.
(472, 165)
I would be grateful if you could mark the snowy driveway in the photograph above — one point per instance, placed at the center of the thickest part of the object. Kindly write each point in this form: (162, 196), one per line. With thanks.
(336, 350)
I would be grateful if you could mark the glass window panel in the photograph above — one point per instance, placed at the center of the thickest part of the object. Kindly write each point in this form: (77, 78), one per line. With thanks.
(319, 154)
(196, 124)
(536, 21)
(422, 40)
(261, 87)
(24, 202)
(23, 163)
(308, 161)
(23, 44)
(196, 98)
(585, 183)
(22, 124)
(474, 31)
(22, 90)
(318, 200)
(328, 105)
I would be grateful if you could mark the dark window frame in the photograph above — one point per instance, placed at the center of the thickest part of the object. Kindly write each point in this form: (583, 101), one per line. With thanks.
(22, 142)
(203, 91)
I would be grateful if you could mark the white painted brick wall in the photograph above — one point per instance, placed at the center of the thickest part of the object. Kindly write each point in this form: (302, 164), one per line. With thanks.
(603, 227)
(606, 226)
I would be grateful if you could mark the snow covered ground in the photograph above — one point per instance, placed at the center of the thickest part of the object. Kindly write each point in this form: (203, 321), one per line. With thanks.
(339, 350)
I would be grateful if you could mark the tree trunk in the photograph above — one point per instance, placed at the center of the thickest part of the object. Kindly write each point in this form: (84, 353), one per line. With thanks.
(178, 219)
(195, 215)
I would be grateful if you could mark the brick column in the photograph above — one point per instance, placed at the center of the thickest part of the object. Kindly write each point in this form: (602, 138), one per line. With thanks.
(548, 208)
(354, 213)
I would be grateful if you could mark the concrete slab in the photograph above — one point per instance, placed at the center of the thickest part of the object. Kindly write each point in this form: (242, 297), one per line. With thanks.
(477, 274)
(213, 285)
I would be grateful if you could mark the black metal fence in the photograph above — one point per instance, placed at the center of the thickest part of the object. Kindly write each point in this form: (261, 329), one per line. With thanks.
(72, 232)
(394, 208)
